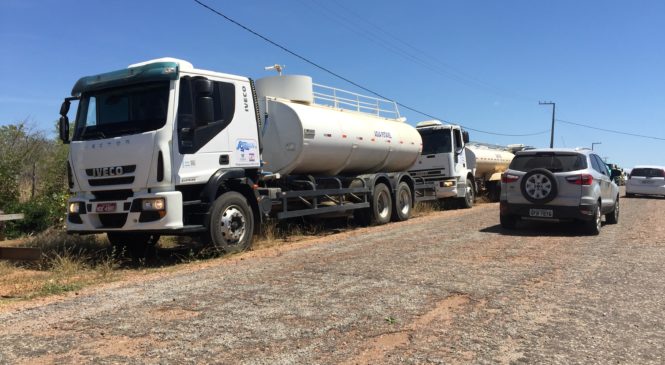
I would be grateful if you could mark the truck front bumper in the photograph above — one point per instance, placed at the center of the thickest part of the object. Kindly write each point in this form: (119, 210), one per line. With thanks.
(447, 189)
(89, 215)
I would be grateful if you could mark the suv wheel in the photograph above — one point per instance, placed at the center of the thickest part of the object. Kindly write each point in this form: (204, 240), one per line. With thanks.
(539, 186)
(508, 221)
(613, 216)
(593, 226)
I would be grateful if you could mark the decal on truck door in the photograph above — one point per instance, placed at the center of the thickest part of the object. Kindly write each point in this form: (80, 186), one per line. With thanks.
(247, 152)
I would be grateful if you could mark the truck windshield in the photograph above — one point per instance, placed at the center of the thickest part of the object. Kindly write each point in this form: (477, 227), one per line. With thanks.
(121, 111)
(436, 141)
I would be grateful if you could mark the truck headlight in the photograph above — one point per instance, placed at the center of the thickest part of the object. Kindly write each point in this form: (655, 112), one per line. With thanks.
(74, 208)
(153, 204)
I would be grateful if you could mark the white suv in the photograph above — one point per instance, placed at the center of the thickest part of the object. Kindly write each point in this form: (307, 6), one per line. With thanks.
(646, 180)
(559, 185)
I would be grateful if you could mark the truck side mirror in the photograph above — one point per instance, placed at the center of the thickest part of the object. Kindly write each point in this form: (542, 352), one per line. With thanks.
(204, 105)
(202, 86)
(204, 110)
(465, 136)
(64, 108)
(63, 128)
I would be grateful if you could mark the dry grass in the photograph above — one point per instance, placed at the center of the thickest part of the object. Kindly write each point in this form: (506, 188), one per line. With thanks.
(424, 208)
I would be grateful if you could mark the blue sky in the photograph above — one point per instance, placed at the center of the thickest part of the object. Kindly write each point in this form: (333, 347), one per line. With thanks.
(482, 64)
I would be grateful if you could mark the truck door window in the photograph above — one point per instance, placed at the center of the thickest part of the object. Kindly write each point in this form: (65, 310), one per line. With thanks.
(458, 139)
(92, 111)
(191, 138)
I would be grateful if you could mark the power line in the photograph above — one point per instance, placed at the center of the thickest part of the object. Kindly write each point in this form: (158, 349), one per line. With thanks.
(610, 130)
(283, 48)
(428, 61)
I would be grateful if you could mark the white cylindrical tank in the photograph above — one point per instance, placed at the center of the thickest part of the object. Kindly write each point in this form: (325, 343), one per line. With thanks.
(318, 140)
(490, 162)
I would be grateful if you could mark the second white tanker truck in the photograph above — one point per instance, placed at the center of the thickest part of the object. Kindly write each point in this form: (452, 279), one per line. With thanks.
(458, 170)
(163, 148)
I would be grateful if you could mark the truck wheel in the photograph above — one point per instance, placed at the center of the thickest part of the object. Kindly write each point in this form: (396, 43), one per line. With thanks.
(613, 216)
(231, 223)
(592, 226)
(403, 202)
(382, 204)
(469, 197)
(138, 245)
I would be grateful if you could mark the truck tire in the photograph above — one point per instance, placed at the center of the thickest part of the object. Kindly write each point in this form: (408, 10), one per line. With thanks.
(592, 226)
(613, 216)
(231, 223)
(469, 196)
(493, 191)
(382, 204)
(138, 245)
(403, 202)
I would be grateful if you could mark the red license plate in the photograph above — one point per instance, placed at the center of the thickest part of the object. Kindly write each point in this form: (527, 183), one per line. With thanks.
(105, 208)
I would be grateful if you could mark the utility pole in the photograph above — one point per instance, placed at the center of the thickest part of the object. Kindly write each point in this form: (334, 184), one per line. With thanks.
(595, 143)
(553, 112)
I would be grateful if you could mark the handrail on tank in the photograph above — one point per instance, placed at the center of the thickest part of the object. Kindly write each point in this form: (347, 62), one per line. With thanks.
(330, 96)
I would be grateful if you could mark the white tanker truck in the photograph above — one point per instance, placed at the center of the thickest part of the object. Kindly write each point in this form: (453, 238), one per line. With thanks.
(162, 148)
(458, 169)
(490, 161)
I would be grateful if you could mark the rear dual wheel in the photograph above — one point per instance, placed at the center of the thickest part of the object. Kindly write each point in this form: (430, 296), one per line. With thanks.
(381, 208)
(403, 202)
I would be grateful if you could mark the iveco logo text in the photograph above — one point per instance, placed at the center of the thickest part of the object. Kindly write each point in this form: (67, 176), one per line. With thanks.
(245, 101)
(107, 171)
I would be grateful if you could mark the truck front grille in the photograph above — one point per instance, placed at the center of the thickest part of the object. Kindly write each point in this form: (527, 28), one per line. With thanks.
(113, 220)
(111, 195)
(111, 181)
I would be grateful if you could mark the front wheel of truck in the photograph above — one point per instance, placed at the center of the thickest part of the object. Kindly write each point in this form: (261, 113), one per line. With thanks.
(231, 223)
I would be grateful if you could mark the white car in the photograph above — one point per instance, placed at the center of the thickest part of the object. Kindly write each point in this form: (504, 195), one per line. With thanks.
(646, 180)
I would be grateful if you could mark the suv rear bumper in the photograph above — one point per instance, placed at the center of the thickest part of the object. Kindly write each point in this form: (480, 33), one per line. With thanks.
(580, 212)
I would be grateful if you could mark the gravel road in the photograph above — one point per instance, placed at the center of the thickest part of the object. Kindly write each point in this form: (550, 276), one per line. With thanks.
(448, 288)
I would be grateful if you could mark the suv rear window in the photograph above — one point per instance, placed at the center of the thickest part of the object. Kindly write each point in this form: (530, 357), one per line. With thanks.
(554, 162)
(646, 172)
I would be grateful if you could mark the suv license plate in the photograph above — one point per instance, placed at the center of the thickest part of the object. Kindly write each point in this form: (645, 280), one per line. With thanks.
(541, 213)
(105, 208)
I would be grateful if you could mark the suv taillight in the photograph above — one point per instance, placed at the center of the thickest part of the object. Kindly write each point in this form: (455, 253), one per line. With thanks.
(584, 179)
(509, 178)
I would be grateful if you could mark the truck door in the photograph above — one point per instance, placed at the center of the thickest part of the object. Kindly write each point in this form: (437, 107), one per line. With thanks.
(458, 150)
